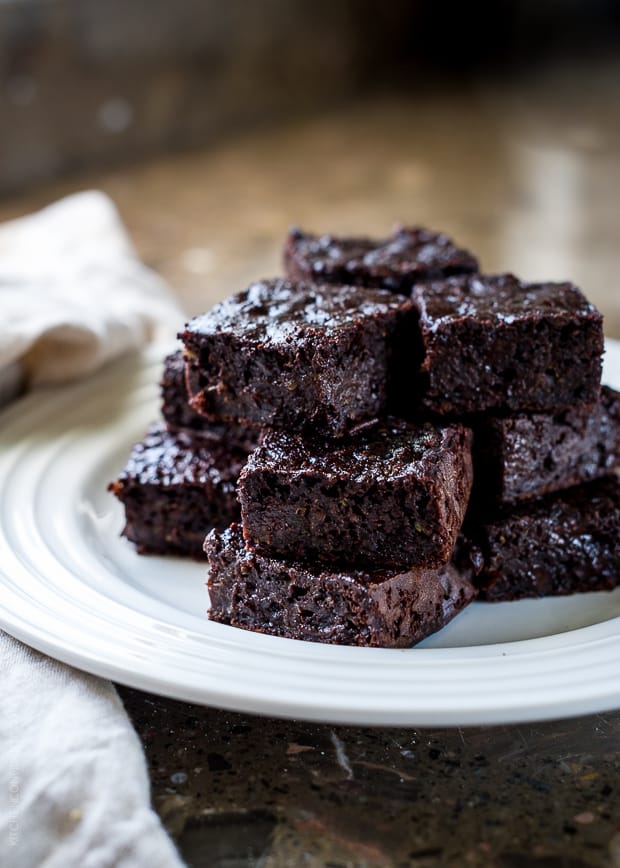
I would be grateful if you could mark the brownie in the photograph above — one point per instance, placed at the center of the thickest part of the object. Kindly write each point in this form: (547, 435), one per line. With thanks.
(297, 355)
(385, 608)
(392, 495)
(564, 543)
(409, 255)
(180, 416)
(494, 343)
(175, 488)
(531, 454)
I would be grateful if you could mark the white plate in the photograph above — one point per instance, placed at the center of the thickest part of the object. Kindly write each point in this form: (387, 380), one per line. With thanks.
(70, 586)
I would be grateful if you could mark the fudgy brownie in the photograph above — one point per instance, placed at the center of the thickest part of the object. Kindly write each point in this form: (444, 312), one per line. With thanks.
(531, 454)
(175, 489)
(392, 495)
(386, 608)
(283, 354)
(180, 416)
(564, 543)
(495, 343)
(406, 257)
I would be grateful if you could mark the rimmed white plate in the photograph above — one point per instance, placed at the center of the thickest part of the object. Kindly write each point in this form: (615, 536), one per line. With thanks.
(71, 587)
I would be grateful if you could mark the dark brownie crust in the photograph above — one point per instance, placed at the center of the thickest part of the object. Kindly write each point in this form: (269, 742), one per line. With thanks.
(493, 343)
(175, 488)
(532, 454)
(387, 609)
(561, 544)
(283, 354)
(180, 416)
(409, 255)
(393, 495)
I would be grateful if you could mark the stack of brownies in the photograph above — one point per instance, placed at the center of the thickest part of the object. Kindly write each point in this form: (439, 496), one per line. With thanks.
(340, 403)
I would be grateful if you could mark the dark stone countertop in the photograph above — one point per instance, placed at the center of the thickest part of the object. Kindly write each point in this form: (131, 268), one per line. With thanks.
(236, 790)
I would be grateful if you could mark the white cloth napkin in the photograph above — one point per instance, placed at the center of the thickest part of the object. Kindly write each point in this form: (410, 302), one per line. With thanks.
(74, 790)
(73, 294)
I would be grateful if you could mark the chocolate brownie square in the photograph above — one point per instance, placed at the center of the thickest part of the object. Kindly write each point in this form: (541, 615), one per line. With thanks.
(409, 255)
(494, 343)
(385, 608)
(564, 543)
(180, 416)
(175, 489)
(296, 355)
(525, 456)
(394, 495)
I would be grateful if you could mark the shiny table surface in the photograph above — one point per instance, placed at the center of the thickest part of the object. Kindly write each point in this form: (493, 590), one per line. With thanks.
(528, 177)
(236, 790)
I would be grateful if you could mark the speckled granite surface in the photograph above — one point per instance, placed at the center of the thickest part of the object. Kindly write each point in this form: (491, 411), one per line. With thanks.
(236, 790)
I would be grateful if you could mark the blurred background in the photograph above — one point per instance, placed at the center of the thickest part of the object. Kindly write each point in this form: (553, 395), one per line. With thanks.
(216, 125)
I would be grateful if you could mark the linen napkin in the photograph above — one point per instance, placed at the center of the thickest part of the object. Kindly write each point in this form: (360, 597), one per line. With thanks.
(74, 787)
(73, 294)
